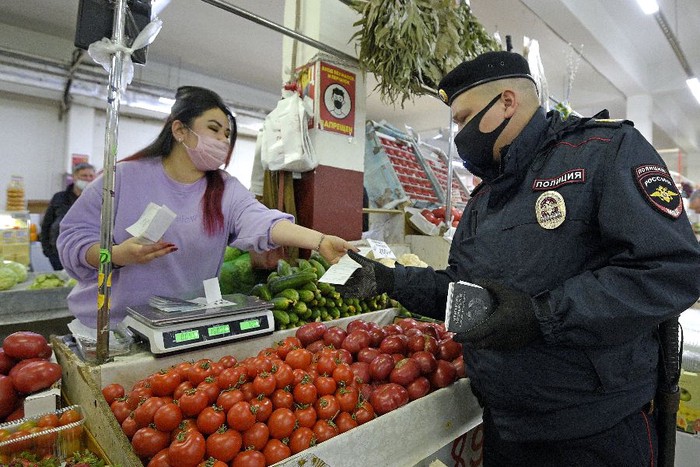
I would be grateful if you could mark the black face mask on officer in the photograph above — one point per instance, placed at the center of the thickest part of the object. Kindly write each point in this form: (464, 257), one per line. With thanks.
(476, 148)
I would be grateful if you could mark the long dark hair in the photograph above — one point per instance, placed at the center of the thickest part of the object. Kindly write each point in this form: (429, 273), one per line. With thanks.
(190, 103)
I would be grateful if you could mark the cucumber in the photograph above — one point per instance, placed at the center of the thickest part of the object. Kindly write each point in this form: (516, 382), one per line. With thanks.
(318, 257)
(310, 286)
(283, 268)
(291, 294)
(326, 288)
(293, 281)
(306, 296)
(320, 270)
(271, 276)
(293, 319)
(281, 303)
(261, 291)
(304, 264)
(281, 317)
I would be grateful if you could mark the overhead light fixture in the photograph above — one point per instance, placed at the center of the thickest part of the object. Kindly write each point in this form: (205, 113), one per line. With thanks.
(166, 101)
(694, 85)
(649, 7)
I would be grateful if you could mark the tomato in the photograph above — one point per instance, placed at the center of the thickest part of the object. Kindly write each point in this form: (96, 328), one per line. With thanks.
(8, 396)
(306, 416)
(334, 336)
(49, 420)
(36, 376)
(228, 397)
(224, 444)
(232, 377)
(240, 417)
(210, 419)
(418, 388)
(6, 362)
(299, 359)
(69, 416)
(325, 385)
(259, 365)
(228, 361)
(144, 412)
(388, 397)
(275, 451)
(264, 383)
(449, 349)
(310, 332)
(302, 438)
(395, 343)
(356, 340)
(376, 336)
(199, 371)
(439, 212)
(250, 458)
(113, 391)
(380, 368)
(343, 356)
(357, 324)
(343, 374)
(148, 441)
(285, 346)
(167, 417)
(282, 398)
(192, 402)
(187, 450)
(137, 396)
(21, 345)
(164, 383)
(305, 392)
(426, 361)
(316, 346)
(284, 375)
(347, 398)
(209, 387)
(361, 372)
(429, 216)
(120, 409)
(327, 407)
(281, 423)
(212, 462)
(262, 408)
(182, 388)
(345, 422)
(444, 374)
(392, 329)
(160, 459)
(256, 436)
(367, 354)
(408, 323)
(405, 372)
(324, 430)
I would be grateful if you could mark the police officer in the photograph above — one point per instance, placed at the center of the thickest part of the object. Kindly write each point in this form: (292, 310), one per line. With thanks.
(579, 235)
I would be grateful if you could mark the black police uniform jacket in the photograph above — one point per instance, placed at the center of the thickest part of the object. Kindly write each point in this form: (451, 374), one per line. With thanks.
(618, 258)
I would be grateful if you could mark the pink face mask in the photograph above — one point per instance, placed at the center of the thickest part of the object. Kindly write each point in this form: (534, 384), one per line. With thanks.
(208, 154)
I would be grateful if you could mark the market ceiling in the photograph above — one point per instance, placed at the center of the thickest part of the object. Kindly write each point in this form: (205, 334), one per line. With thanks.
(624, 53)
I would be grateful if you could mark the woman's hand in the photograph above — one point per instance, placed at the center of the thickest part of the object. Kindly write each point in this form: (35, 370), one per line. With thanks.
(133, 252)
(332, 248)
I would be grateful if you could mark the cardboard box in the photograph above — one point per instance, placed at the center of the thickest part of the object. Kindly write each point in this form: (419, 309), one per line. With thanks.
(423, 426)
(689, 411)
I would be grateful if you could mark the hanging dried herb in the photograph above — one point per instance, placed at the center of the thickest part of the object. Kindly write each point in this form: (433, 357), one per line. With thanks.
(410, 45)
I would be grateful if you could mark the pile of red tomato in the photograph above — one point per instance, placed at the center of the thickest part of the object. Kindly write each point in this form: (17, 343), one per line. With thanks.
(24, 369)
(306, 389)
(439, 215)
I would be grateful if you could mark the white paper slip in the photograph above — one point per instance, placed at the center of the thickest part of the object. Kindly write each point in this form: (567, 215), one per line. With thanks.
(380, 249)
(340, 272)
(153, 223)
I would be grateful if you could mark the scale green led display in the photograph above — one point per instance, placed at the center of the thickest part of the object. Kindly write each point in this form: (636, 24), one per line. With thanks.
(250, 324)
(186, 336)
(218, 330)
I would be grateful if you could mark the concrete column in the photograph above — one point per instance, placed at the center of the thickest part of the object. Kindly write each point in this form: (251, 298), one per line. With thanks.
(80, 125)
(329, 198)
(639, 110)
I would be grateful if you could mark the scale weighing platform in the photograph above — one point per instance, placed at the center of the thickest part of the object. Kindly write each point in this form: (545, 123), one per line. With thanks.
(168, 332)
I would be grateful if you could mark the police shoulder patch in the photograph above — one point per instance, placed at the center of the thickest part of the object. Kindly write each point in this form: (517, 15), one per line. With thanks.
(659, 189)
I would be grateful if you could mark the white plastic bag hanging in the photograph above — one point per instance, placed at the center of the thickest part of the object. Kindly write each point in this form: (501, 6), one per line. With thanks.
(285, 141)
(102, 50)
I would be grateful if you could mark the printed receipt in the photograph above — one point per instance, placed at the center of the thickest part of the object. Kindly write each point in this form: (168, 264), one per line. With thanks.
(341, 271)
(152, 224)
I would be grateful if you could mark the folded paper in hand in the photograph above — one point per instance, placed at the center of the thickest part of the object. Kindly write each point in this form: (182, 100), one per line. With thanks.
(152, 224)
(467, 306)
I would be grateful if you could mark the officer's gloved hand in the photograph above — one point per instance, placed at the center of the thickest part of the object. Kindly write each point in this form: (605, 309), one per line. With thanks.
(372, 279)
(512, 323)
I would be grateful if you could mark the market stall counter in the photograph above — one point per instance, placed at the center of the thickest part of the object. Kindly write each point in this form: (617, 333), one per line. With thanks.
(405, 436)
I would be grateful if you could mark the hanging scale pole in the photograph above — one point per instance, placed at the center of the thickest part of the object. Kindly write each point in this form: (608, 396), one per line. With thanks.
(104, 276)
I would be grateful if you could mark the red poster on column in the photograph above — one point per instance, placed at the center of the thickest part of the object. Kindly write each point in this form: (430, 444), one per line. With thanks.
(337, 95)
(78, 159)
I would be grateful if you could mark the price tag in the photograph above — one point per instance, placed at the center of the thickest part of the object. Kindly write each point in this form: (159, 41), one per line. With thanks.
(380, 249)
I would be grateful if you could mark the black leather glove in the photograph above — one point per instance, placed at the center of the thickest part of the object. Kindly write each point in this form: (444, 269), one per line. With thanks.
(511, 325)
(372, 279)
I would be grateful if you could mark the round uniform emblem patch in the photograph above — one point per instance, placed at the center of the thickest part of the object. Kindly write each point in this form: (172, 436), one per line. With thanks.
(550, 210)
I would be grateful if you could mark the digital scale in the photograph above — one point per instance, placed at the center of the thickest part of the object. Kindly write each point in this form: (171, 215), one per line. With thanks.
(174, 331)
